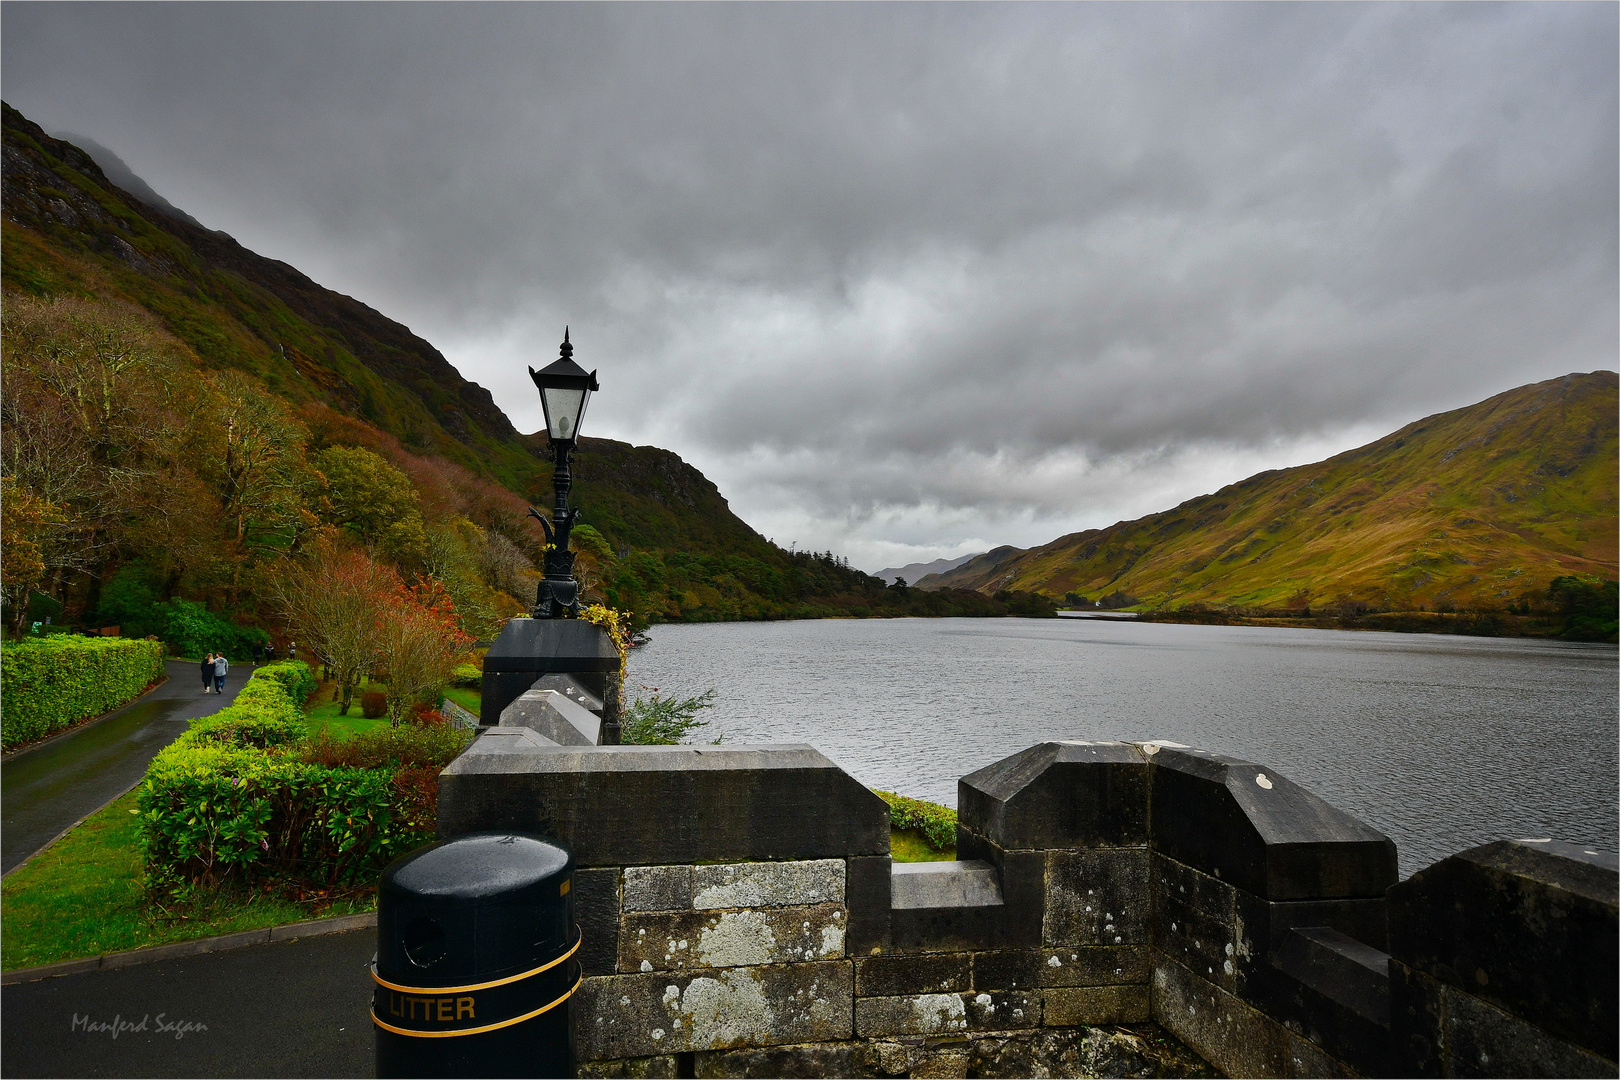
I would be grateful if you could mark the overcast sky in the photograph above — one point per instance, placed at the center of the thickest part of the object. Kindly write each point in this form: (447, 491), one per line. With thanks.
(908, 281)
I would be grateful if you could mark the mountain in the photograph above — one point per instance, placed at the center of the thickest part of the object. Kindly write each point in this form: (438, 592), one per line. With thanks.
(114, 168)
(662, 539)
(1479, 508)
(916, 570)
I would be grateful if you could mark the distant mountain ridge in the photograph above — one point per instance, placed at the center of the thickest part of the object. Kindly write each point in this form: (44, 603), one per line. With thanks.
(1480, 507)
(912, 571)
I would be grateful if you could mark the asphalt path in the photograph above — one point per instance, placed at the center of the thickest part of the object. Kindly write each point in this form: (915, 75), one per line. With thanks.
(295, 1008)
(45, 790)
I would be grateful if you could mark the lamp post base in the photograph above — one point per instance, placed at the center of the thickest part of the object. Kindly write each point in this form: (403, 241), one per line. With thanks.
(558, 599)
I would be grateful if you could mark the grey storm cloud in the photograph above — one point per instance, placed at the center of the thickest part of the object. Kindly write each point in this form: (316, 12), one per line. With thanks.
(908, 280)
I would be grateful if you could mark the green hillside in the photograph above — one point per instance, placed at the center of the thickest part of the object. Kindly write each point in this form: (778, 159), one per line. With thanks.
(1476, 509)
(159, 511)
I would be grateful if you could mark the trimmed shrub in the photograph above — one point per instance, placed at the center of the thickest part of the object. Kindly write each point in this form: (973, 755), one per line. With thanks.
(936, 823)
(390, 747)
(373, 704)
(46, 684)
(466, 675)
(295, 677)
(244, 797)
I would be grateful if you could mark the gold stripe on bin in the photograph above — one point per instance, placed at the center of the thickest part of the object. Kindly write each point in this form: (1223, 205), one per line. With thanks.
(486, 1027)
(477, 986)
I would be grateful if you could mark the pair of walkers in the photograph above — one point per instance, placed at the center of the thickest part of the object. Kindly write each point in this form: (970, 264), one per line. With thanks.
(214, 668)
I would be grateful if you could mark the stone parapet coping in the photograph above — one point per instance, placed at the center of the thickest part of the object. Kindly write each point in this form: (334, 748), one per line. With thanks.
(196, 947)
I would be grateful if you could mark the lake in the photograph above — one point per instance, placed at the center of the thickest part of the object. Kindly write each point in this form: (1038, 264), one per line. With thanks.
(1442, 742)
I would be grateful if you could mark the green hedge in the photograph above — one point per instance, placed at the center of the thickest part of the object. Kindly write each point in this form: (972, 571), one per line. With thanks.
(936, 823)
(246, 797)
(49, 683)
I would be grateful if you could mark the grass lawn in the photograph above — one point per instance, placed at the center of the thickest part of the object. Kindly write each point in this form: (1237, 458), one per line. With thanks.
(909, 845)
(469, 698)
(83, 897)
(322, 712)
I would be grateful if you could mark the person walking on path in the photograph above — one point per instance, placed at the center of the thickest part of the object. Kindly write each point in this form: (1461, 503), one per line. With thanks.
(208, 672)
(221, 667)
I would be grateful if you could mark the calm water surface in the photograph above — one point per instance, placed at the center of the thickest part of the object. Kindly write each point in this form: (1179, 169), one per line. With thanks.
(1441, 742)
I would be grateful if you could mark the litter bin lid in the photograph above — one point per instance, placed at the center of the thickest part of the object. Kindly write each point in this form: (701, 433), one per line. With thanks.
(484, 867)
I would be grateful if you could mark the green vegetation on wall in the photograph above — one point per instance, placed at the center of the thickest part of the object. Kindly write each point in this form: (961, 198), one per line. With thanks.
(47, 684)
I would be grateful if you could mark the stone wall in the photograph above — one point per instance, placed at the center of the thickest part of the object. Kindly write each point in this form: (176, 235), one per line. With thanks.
(741, 916)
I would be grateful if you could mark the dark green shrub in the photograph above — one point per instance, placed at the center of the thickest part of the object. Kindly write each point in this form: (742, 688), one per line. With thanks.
(466, 675)
(373, 704)
(661, 721)
(936, 823)
(192, 630)
(49, 683)
(130, 602)
(1590, 605)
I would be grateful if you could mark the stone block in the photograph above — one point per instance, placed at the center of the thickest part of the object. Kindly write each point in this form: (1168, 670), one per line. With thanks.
(503, 742)
(657, 888)
(963, 929)
(1194, 890)
(1268, 924)
(1306, 1059)
(866, 895)
(1072, 1006)
(661, 805)
(1530, 927)
(1250, 827)
(1058, 795)
(1417, 1005)
(646, 1015)
(596, 909)
(674, 940)
(553, 716)
(1083, 1051)
(941, 1063)
(928, 973)
(1023, 884)
(812, 1060)
(1004, 1010)
(1097, 897)
(529, 648)
(1233, 1036)
(1081, 965)
(644, 1068)
(769, 884)
(571, 688)
(913, 1014)
(1187, 930)
(1330, 990)
(944, 885)
(1482, 1040)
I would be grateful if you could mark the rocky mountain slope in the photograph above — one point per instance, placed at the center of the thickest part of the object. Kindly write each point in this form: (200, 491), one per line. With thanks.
(1477, 508)
(667, 544)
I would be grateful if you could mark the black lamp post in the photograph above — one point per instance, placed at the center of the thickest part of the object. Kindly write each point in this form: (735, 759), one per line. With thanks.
(565, 389)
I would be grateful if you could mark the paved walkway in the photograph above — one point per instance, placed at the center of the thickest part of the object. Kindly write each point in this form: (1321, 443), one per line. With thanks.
(45, 790)
(297, 1008)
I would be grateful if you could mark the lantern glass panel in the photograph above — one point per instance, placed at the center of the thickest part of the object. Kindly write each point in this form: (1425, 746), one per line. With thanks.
(565, 408)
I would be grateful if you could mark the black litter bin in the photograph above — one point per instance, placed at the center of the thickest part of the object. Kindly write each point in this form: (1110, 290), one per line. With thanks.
(475, 959)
